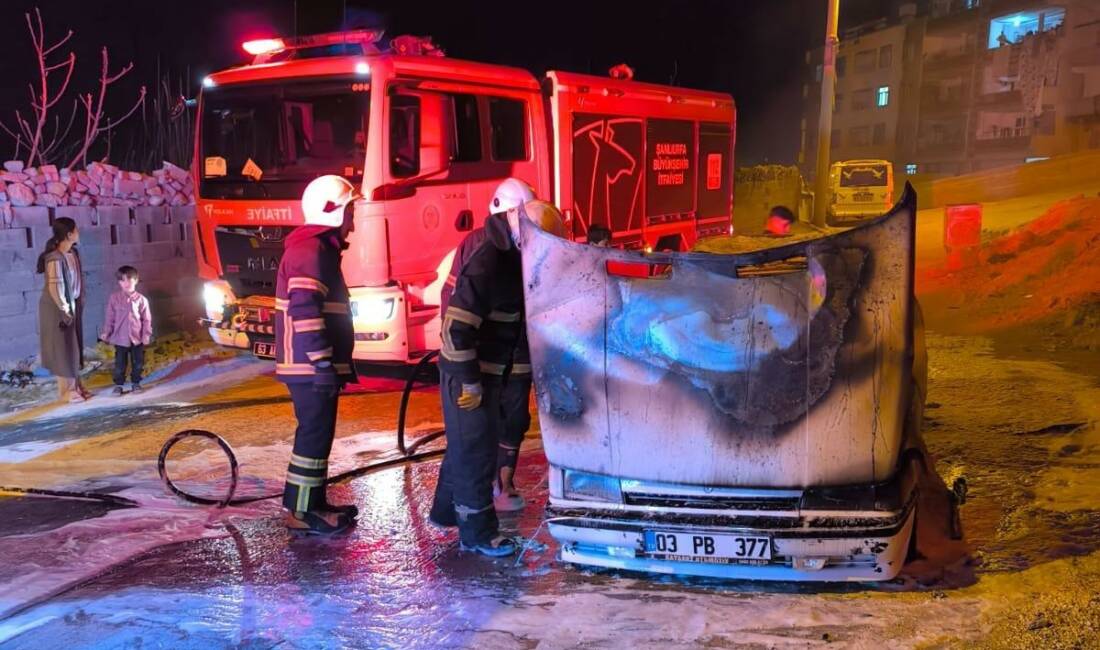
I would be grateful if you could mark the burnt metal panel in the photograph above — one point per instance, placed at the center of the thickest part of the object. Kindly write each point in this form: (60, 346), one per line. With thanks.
(787, 367)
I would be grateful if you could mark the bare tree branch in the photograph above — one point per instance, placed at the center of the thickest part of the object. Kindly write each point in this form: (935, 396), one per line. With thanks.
(24, 126)
(140, 102)
(10, 133)
(121, 73)
(94, 116)
(57, 44)
(58, 143)
(42, 100)
(65, 84)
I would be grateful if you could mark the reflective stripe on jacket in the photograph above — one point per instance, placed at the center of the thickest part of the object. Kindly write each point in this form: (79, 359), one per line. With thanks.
(482, 304)
(313, 312)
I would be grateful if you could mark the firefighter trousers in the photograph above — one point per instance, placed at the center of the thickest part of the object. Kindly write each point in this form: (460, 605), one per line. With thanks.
(305, 476)
(515, 419)
(464, 491)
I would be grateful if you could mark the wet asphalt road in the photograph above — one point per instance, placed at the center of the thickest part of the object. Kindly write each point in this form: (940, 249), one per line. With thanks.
(396, 581)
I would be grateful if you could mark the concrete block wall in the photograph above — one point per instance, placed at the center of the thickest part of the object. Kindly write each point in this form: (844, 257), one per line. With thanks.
(758, 189)
(155, 240)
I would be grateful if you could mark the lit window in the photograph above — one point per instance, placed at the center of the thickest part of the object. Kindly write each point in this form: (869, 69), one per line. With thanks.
(1014, 28)
(883, 96)
(911, 169)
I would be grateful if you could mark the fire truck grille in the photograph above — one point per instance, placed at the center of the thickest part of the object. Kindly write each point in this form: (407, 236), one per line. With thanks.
(250, 257)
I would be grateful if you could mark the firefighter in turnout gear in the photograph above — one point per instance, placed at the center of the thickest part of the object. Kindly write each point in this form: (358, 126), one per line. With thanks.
(514, 411)
(314, 340)
(482, 308)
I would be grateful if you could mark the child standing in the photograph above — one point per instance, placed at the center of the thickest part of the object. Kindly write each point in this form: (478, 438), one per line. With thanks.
(128, 326)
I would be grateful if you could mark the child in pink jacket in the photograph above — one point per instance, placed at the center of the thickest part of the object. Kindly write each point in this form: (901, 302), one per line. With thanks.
(128, 326)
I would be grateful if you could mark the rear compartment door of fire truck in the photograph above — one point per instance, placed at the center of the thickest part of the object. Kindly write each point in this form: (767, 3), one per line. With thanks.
(653, 164)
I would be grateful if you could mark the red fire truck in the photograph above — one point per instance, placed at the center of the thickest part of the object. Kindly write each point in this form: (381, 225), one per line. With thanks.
(428, 139)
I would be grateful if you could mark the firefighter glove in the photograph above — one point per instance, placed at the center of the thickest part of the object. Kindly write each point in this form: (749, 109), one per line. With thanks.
(325, 380)
(470, 398)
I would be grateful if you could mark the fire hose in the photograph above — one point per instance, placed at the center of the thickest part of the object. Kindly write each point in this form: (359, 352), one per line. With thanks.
(409, 453)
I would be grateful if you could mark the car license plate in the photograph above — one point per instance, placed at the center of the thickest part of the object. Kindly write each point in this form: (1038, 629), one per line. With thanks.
(707, 547)
(863, 196)
(263, 349)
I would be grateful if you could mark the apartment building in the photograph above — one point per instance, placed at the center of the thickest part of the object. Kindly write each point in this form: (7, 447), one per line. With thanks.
(980, 84)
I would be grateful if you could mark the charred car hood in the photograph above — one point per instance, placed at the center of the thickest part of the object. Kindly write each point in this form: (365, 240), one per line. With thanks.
(787, 367)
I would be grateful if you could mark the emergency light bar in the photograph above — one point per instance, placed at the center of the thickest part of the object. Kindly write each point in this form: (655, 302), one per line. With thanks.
(263, 46)
(266, 49)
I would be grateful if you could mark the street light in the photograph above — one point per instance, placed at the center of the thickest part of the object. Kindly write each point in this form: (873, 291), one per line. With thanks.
(825, 122)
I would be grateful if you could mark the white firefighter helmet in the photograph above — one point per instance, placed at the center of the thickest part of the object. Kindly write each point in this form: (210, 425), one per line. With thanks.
(543, 214)
(510, 194)
(324, 199)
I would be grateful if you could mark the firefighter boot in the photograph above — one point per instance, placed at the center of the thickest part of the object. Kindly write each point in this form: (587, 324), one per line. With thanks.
(499, 546)
(506, 498)
(349, 510)
(515, 421)
(318, 522)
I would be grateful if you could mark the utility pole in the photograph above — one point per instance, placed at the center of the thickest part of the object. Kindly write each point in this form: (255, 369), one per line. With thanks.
(825, 122)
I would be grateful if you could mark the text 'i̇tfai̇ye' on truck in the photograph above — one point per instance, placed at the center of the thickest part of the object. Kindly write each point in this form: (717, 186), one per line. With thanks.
(427, 139)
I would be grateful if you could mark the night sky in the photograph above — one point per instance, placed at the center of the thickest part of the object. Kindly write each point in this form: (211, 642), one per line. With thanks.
(752, 49)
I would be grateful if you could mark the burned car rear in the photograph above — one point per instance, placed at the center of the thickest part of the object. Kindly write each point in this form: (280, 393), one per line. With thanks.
(742, 416)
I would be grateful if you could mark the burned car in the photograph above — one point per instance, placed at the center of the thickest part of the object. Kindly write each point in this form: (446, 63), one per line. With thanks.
(749, 415)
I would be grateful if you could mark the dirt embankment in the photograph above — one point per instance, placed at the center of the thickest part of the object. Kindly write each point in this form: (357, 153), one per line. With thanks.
(1041, 277)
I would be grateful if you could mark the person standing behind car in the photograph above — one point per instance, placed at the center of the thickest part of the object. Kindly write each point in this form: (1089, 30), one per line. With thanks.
(59, 311)
(599, 236)
(482, 322)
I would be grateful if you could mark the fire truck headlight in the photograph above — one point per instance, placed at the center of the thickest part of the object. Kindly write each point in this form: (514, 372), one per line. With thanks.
(362, 68)
(372, 310)
(216, 295)
(583, 486)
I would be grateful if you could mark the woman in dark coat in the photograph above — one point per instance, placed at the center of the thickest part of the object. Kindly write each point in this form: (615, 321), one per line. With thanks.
(60, 310)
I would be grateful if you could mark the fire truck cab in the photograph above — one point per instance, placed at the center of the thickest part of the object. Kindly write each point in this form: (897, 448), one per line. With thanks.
(428, 139)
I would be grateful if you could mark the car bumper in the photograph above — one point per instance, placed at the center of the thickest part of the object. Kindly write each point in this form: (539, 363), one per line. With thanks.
(857, 555)
(861, 536)
(856, 212)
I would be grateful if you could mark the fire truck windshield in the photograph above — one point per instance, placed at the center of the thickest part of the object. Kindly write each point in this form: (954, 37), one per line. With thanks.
(267, 141)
